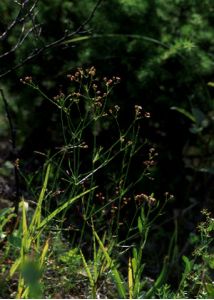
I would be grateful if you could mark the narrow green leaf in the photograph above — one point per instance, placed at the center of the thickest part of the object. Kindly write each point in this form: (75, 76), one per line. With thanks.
(134, 265)
(62, 207)
(160, 280)
(78, 39)
(211, 84)
(116, 276)
(130, 278)
(15, 266)
(90, 277)
(135, 255)
(198, 115)
(24, 219)
(26, 238)
(187, 269)
(37, 214)
(44, 187)
(117, 36)
(44, 253)
(187, 262)
(108, 258)
(184, 112)
(140, 225)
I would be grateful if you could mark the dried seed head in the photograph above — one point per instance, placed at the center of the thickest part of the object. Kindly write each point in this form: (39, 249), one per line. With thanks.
(147, 115)
(122, 139)
(26, 80)
(84, 145)
(117, 108)
(151, 150)
(81, 72)
(16, 163)
(94, 86)
(109, 82)
(143, 197)
(138, 111)
(61, 95)
(92, 71)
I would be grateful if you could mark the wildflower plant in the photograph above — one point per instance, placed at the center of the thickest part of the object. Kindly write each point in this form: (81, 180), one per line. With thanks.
(87, 162)
(91, 214)
(197, 278)
(86, 113)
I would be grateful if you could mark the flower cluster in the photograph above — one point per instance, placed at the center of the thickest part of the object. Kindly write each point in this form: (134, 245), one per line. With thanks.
(151, 162)
(100, 197)
(26, 80)
(169, 196)
(91, 89)
(60, 96)
(16, 163)
(80, 74)
(111, 81)
(76, 76)
(139, 113)
(143, 197)
(114, 110)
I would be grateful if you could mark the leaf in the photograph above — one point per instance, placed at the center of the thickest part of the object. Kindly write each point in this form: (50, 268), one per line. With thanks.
(24, 219)
(134, 265)
(130, 278)
(97, 155)
(116, 36)
(62, 207)
(211, 84)
(198, 115)
(184, 112)
(6, 220)
(90, 277)
(30, 271)
(143, 216)
(135, 255)
(44, 252)
(210, 261)
(160, 280)
(15, 266)
(26, 238)
(187, 269)
(15, 239)
(37, 214)
(115, 274)
(140, 225)
(210, 290)
(5, 211)
(77, 39)
(187, 262)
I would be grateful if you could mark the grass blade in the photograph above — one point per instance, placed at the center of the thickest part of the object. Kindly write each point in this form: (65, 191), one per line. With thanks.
(62, 207)
(37, 214)
(90, 277)
(130, 278)
(116, 276)
(44, 252)
(160, 280)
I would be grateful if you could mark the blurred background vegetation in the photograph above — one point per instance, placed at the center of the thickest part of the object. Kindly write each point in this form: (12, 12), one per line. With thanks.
(164, 53)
